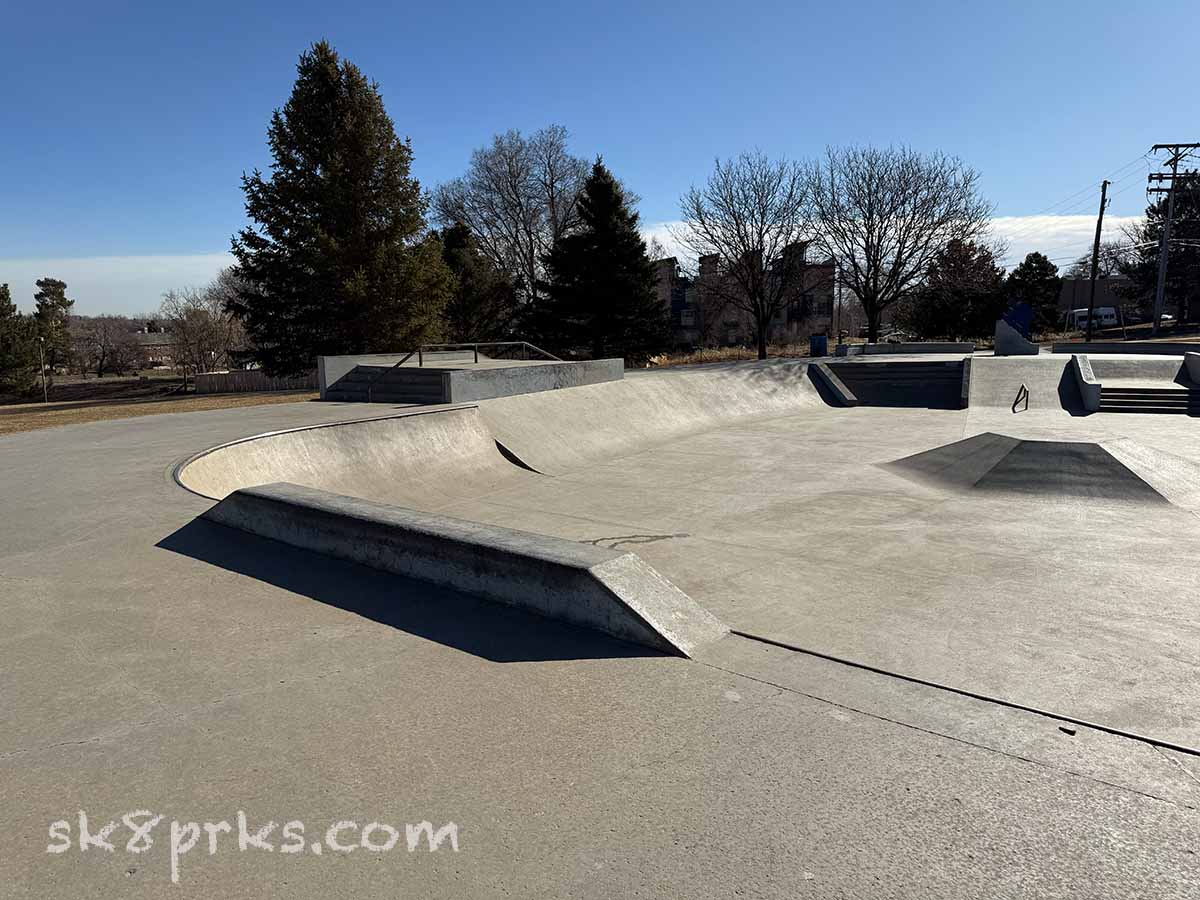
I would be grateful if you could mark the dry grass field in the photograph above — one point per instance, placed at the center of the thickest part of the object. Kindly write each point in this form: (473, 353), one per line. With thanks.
(31, 416)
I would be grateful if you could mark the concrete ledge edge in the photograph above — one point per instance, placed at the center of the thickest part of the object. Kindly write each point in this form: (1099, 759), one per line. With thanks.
(1089, 386)
(614, 592)
(835, 384)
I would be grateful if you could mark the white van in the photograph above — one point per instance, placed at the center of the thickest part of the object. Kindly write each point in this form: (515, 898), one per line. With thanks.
(1104, 317)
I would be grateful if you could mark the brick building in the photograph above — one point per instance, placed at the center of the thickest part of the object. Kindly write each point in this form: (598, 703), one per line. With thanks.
(702, 315)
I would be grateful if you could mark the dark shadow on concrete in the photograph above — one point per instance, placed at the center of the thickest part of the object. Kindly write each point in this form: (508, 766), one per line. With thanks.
(1056, 469)
(823, 391)
(1064, 469)
(479, 627)
(902, 384)
(1068, 393)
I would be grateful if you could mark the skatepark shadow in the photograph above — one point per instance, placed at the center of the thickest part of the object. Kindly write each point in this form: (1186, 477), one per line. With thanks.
(1068, 394)
(828, 397)
(489, 630)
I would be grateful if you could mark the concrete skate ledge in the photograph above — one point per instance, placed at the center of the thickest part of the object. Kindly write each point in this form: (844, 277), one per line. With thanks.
(844, 395)
(592, 587)
(1089, 385)
(919, 347)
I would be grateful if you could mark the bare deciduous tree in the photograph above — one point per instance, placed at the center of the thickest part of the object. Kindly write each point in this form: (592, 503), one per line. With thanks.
(205, 335)
(884, 214)
(1113, 255)
(517, 198)
(753, 217)
(107, 343)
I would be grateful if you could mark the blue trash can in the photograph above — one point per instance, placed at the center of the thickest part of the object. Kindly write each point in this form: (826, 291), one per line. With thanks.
(818, 345)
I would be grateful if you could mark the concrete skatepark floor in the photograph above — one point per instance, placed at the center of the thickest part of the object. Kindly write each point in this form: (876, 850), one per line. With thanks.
(155, 661)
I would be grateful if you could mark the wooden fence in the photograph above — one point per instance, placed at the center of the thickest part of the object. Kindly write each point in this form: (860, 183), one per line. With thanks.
(251, 380)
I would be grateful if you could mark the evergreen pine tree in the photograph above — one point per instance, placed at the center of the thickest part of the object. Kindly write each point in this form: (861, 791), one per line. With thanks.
(1182, 288)
(962, 296)
(601, 286)
(18, 355)
(53, 318)
(339, 261)
(484, 301)
(1035, 281)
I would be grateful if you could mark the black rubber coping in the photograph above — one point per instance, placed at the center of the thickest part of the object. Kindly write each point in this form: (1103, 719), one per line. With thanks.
(1066, 469)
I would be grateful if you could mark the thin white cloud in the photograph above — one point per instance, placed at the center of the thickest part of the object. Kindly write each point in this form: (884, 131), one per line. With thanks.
(1061, 238)
(122, 285)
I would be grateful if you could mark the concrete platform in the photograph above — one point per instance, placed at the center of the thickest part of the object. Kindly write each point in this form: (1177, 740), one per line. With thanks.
(452, 377)
(155, 660)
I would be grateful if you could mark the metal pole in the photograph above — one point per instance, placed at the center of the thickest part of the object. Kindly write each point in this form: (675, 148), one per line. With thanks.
(1163, 251)
(837, 303)
(1096, 259)
(42, 365)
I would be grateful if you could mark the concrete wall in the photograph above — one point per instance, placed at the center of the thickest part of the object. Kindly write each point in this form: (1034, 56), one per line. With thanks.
(1166, 368)
(592, 587)
(468, 385)
(1154, 348)
(919, 347)
(331, 368)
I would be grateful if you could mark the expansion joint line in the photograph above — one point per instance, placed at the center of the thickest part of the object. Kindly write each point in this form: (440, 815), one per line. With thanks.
(963, 692)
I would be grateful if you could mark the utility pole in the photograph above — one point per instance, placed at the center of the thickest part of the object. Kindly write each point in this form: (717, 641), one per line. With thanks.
(1096, 257)
(1178, 152)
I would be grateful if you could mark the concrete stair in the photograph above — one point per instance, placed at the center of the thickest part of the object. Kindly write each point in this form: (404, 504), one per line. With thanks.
(1178, 399)
(932, 385)
(380, 384)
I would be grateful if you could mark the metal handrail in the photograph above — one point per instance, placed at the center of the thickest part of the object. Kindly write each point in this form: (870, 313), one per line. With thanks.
(1022, 394)
(475, 345)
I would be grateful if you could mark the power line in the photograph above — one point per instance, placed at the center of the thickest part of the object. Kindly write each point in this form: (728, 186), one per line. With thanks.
(1111, 176)
(1078, 207)
(1075, 203)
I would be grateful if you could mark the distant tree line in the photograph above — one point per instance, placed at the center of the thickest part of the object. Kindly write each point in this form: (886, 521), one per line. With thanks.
(191, 332)
(346, 252)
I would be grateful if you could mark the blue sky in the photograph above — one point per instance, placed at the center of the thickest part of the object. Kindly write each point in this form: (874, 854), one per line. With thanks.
(128, 125)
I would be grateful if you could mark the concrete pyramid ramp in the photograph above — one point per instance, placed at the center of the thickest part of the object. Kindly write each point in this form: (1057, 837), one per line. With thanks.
(998, 464)
(1174, 477)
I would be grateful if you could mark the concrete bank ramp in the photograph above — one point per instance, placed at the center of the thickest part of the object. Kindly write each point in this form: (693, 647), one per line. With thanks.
(418, 459)
(1054, 470)
(427, 458)
(1049, 379)
(559, 431)
(593, 587)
